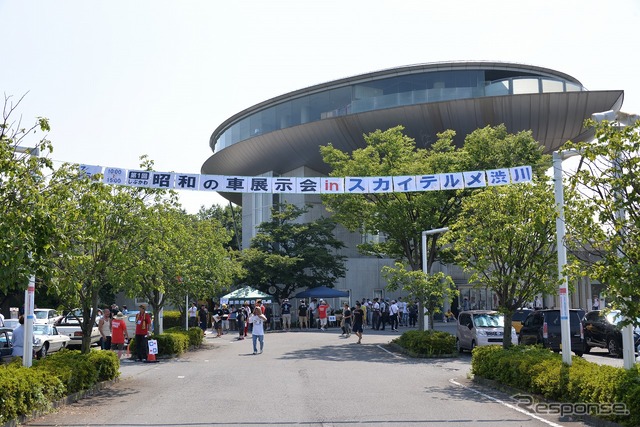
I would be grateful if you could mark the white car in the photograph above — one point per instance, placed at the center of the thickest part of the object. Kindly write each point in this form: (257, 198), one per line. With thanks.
(69, 325)
(48, 340)
(45, 316)
(11, 323)
(481, 327)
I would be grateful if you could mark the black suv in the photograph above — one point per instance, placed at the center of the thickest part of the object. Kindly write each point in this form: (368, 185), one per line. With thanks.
(602, 329)
(543, 327)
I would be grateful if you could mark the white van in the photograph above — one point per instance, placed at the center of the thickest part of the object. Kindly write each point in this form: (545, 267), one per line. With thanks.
(481, 327)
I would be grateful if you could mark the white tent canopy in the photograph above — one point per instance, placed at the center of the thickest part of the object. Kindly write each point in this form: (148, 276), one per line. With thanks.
(246, 293)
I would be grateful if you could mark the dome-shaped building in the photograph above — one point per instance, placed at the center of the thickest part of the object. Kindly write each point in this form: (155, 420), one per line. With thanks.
(281, 136)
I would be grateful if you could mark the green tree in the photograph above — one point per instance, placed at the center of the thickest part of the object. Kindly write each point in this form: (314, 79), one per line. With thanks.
(27, 233)
(286, 254)
(231, 219)
(401, 217)
(101, 224)
(182, 255)
(505, 237)
(430, 289)
(607, 231)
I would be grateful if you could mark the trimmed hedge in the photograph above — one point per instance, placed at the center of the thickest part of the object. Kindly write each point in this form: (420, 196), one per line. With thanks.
(172, 319)
(175, 341)
(24, 390)
(540, 371)
(427, 343)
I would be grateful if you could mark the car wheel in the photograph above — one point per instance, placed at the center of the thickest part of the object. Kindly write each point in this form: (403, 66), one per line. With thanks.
(613, 348)
(458, 346)
(586, 349)
(578, 353)
(43, 351)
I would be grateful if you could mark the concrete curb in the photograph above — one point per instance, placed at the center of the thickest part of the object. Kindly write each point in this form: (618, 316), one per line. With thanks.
(591, 420)
(72, 398)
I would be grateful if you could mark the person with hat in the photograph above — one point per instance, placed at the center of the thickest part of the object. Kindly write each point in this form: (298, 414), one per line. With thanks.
(303, 313)
(118, 333)
(217, 314)
(143, 330)
(323, 313)
(286, 314)
(225, 318)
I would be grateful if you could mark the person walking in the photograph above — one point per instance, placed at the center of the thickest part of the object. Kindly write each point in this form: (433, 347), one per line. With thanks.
(346, 321)
(17, 338)
(358, 321)
(118, 333)
(323, 312)
(258, 321)
(104, 326)
(143, 330)
(203, 318)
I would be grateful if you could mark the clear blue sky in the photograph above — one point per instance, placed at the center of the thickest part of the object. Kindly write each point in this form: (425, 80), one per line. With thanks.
(119, 79)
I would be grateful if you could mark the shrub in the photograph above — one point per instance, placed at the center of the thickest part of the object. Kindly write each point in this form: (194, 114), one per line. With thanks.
(427, 343)
(24, 390)
(540, 371)
(172, 343)
(172, 318)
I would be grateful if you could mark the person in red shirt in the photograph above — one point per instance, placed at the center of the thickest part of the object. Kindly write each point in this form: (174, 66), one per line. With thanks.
(118, 333)
(143, 330)
(323, 311)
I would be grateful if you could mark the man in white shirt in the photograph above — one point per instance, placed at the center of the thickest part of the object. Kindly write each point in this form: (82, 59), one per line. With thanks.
(193, 313)
(393, 315)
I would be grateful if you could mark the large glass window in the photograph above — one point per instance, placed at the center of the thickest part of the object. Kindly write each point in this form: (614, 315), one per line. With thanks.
(389, 92)
(521, 86)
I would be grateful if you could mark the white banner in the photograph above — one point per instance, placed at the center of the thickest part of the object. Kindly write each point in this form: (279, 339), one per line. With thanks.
(319, 185)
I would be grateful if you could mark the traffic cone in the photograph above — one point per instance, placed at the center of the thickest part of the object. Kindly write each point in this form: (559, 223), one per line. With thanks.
(151, 357)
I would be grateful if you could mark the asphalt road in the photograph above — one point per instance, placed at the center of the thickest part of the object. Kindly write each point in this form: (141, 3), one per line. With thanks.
(301, 379)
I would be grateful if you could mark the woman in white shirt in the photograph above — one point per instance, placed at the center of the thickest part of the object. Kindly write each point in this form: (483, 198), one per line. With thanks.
(257, 319)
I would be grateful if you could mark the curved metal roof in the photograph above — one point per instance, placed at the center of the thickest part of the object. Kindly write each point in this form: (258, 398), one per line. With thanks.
(554, 118)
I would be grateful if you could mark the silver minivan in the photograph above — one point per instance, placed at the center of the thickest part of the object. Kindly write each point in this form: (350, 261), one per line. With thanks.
(481, 327)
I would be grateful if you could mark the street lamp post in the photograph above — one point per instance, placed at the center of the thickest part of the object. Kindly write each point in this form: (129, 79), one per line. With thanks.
(29, 303)
(563, 290)
(425, 267)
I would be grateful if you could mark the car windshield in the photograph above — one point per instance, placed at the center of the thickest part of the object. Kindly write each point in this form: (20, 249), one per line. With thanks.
(488, 320)
(41, 330)
(520, 315)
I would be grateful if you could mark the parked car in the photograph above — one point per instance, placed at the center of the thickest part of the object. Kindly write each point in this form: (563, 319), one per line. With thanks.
(48, 340)
(69, 325)
(518, 318)
(45, 316)
(543, 327)
(481, 327)
(5, 345)
(11, 323)
(602, 329)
